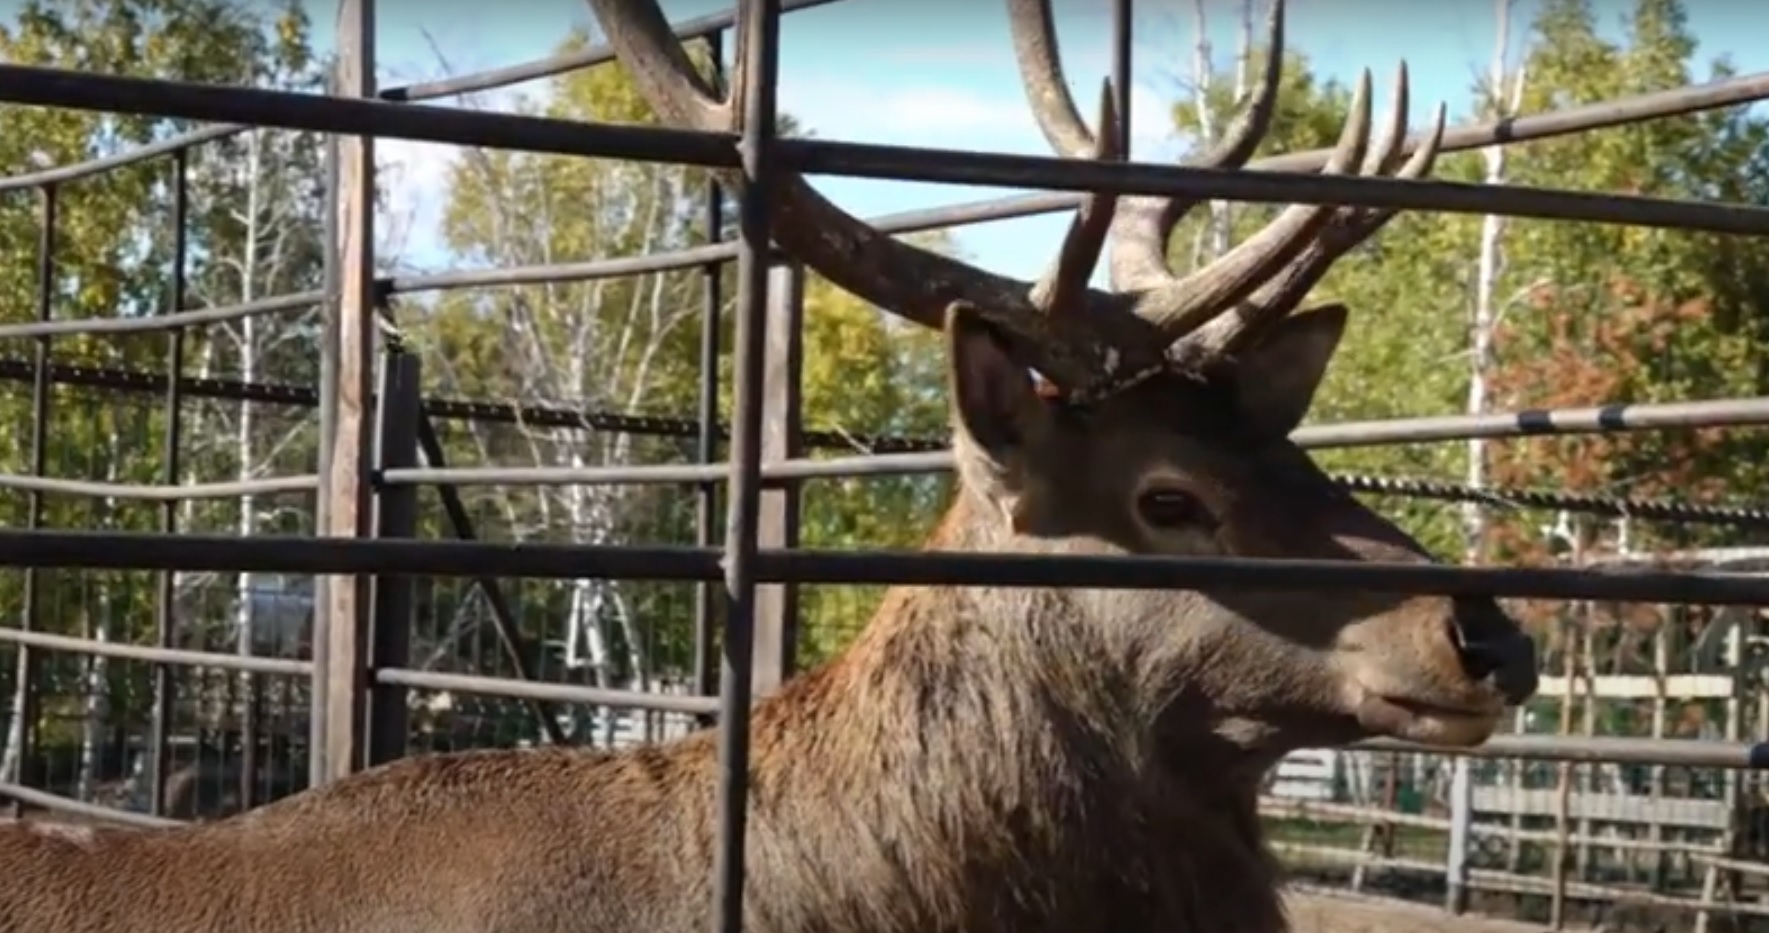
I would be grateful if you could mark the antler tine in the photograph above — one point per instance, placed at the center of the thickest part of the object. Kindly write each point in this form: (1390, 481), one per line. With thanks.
(1349, 227)
(1062, 290)
(1041, 74)
(898, 277)
(1145, 224)
(1178, 307)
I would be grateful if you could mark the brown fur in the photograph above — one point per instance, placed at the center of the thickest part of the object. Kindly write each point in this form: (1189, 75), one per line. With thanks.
(981, 760)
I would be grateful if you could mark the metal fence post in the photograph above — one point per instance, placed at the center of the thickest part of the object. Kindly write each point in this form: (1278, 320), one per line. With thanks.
(777, 604)
(31, 612)
(1461, 835)
(707, 598)
(396, 516)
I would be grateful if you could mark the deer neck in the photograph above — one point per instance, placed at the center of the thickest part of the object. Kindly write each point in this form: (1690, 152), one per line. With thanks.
(952, 726)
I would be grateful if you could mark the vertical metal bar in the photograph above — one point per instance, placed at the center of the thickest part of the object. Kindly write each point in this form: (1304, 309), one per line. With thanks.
(1121, 28)
(31, 616)
(759, 58)
(706, 447)
(165, 621)
(777, 604)
(1461, 835)
(396, 516)
(503, 616)
(352, 330)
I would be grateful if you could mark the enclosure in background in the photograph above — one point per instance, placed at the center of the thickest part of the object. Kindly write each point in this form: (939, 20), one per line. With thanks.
(183, 694)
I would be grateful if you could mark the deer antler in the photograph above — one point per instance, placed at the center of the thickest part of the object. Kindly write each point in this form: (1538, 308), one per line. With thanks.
(916, 284)
(1084, 340)
(1348, 227)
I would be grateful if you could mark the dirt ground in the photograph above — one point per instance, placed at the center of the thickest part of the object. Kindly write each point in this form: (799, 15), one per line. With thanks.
(1316, 911)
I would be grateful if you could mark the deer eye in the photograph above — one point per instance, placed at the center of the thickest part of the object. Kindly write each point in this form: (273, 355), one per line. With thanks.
(1170, 508)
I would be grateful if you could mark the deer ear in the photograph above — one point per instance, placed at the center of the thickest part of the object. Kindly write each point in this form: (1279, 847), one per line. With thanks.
(994, 403)
(1276, 379)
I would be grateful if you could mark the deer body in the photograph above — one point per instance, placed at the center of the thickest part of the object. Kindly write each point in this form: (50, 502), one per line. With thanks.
(1014, 804)
(980, 760)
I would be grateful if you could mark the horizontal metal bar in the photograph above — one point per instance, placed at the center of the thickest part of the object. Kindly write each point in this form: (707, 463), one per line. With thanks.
(161, 322)
(66, 173)
(153, 493)
(411, 93)
(118, 94)
(1694, 753)
(1618, 112)
(962, 167)
(564, 64)
(662, 474)
(309, 555)
(558, 693)
(56, 803)
(1588, 420)
(53, 87)
(179, 656)
(1596, 419)
(774, 474)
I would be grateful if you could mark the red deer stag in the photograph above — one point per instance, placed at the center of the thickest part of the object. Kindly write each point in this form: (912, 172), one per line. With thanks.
(980, 760)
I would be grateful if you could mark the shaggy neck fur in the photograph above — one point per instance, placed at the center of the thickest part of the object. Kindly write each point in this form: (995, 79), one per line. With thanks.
(994, 777)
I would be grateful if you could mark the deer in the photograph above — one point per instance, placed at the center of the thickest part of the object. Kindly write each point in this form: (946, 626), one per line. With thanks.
(980, 759)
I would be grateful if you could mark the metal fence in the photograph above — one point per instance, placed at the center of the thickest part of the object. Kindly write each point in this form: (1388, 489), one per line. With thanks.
(358, 683)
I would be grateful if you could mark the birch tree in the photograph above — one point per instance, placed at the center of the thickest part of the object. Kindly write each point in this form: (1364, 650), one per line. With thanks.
(113, 252)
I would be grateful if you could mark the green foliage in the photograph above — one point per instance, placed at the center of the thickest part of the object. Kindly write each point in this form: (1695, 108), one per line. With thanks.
(1589, 313)
(632, 344)
(254, 225)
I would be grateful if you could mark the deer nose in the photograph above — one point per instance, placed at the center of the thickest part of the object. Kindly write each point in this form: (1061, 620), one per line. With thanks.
(1491, 645)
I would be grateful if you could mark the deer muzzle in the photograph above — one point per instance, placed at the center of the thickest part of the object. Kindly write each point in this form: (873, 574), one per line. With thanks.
(1492, 647)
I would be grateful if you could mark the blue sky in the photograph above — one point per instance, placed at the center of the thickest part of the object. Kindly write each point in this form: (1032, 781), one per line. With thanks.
(915, 72)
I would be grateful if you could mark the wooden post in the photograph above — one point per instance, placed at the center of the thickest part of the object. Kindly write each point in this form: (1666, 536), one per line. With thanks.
(777, 605)
(341, 622)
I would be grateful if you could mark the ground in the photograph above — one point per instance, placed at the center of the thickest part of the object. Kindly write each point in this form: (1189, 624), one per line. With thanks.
(1320, 911)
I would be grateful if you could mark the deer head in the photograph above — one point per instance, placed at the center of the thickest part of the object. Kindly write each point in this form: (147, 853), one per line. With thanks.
(1161, 427)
